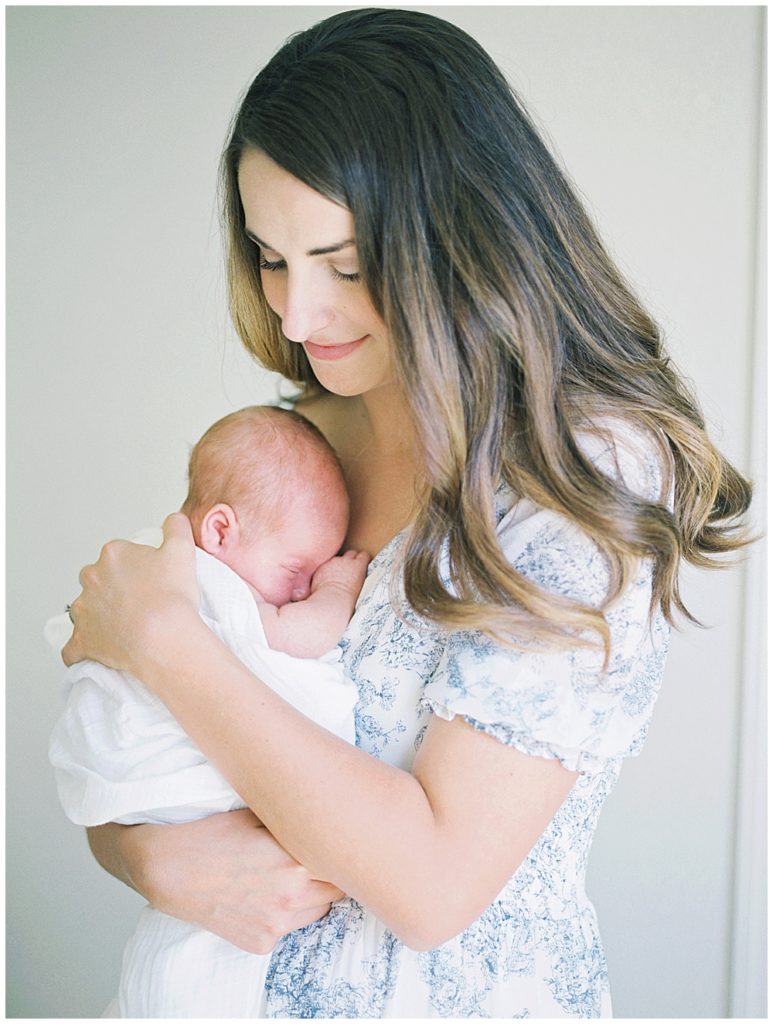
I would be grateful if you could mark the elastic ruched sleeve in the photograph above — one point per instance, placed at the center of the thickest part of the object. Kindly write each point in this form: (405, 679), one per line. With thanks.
(560, 703)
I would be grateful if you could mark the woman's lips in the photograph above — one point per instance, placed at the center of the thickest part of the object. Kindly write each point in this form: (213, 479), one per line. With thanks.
(332, 351)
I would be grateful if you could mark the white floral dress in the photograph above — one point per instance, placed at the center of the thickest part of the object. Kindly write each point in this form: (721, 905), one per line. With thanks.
(536, 951)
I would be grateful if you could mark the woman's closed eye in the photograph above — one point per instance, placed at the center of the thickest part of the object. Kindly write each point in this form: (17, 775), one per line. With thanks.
(265, 264)
(338, 275)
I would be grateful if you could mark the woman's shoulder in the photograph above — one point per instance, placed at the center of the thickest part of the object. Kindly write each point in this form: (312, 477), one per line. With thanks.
(555, 549)
(634, 455)
(631, 454)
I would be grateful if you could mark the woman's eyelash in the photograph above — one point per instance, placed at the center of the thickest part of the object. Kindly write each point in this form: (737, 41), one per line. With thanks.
(338, 276)
(265, 264)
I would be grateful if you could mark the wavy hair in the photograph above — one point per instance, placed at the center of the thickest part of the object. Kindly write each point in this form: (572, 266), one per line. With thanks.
(512, 329)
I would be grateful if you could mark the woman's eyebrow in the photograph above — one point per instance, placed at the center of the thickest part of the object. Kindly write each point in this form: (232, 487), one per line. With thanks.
(323, 251)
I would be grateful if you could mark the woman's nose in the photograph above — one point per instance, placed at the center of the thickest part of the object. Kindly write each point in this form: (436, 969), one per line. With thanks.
(305, 309)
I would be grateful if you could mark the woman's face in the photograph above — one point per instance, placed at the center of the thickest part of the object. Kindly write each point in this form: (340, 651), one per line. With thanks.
(309, 272)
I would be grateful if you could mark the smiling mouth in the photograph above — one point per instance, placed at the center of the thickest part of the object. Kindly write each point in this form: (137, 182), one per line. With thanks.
(332, 352)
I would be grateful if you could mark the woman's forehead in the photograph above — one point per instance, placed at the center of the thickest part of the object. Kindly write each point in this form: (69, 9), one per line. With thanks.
(280, 209)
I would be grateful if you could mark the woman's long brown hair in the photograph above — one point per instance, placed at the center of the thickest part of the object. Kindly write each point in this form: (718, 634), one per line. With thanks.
(512, 329)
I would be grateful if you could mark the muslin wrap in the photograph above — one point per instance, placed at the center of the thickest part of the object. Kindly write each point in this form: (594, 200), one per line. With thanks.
(119, 755)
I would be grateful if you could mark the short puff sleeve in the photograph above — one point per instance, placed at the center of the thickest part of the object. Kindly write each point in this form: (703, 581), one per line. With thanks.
(561, 703)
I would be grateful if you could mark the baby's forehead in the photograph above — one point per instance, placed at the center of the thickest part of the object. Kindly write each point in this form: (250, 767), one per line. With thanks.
(291, 549)
(309, 528)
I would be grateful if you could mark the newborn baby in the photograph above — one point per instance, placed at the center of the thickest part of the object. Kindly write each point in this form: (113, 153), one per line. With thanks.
(267, 498)
(269, 511)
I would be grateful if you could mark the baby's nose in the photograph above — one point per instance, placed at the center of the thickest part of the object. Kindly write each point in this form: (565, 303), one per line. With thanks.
(301, 590)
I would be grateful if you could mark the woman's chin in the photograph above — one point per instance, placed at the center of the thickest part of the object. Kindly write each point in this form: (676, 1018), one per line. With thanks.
(348, 383)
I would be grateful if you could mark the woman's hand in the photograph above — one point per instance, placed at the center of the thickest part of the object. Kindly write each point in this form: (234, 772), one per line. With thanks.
(225, 873)
(132, 597)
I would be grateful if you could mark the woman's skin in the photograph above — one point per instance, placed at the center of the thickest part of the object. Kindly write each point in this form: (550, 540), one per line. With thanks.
(420, 849)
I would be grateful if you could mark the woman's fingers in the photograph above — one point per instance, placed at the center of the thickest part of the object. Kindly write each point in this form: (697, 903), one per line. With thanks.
(71, 652)
(127, 592)
(328, 893)
(178, 547)
(309, 916)
(227, 874)
(176, 527)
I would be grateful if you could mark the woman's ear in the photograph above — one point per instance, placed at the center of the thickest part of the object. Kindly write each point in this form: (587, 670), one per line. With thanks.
(219, 530)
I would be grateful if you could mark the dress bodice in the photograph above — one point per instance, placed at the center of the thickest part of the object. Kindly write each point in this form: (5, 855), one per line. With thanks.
(536, 950)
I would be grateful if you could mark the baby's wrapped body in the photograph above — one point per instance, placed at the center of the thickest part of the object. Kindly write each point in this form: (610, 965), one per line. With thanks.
(119, 755)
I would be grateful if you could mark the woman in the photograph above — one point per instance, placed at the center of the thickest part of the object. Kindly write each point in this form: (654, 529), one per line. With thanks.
(527, 472)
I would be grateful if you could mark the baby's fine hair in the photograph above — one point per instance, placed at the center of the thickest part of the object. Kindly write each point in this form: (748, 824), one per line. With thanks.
(254, 460)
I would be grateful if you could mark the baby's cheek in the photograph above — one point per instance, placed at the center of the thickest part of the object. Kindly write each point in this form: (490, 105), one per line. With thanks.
(281, 594)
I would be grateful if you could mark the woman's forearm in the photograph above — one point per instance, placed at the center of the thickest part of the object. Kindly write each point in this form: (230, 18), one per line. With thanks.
(325, 801)
(134, 854)
(403, 844)
(109, 845)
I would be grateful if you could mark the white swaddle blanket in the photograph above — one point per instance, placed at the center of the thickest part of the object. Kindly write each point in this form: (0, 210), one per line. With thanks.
(119, 755)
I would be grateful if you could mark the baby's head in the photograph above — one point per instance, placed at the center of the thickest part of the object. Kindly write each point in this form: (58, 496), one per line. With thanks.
(266, 496)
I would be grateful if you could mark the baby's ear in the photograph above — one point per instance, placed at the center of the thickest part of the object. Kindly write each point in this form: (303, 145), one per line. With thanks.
(219, 530)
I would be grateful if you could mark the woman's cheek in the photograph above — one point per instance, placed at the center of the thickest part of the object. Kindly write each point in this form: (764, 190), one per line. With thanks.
(273, 290)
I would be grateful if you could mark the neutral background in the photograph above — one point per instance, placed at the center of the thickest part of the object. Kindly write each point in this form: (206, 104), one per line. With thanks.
(120, 354)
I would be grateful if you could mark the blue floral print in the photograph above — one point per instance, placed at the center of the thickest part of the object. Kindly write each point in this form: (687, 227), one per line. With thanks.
(536, 951)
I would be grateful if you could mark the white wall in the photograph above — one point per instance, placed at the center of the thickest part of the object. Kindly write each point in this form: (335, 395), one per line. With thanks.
(119, 354)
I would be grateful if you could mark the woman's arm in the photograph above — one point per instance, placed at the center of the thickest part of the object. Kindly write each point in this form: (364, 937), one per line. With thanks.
(108, 844)
(427, 851)
(225, 873)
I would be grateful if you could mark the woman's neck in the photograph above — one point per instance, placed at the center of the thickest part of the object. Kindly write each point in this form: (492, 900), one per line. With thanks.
(374, 438)
(382, 466)
(387, 426)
